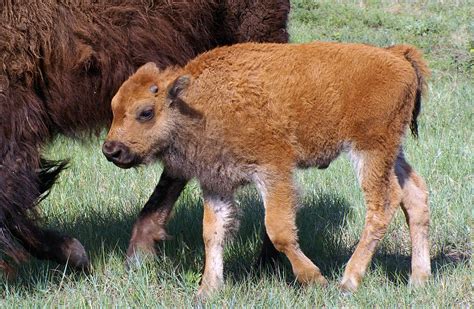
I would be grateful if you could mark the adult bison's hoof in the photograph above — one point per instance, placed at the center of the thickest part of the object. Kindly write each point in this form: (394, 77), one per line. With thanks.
(76, 255)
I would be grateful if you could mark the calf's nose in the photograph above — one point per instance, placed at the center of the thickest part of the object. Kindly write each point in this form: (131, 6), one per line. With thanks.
(114, 151)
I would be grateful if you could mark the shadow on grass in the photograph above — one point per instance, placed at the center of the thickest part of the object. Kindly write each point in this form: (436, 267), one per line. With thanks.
(397, 267)
(321, 220)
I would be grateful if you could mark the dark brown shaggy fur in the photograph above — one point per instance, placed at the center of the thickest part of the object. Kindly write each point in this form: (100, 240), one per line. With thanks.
(60, 63)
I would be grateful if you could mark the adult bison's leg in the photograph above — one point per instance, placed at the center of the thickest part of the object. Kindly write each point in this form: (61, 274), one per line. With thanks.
(16, 253)
(52, 245)
(150, 225)
(417, 213)
(21, 190)
(25, 125)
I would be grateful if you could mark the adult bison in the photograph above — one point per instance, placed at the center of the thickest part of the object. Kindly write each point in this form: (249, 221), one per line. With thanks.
(60, 64)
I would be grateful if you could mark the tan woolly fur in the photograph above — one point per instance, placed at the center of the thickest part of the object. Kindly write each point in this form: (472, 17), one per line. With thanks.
(253, 113)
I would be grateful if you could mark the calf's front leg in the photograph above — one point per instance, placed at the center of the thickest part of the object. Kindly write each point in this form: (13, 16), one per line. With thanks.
(150, 225)
(216, 222)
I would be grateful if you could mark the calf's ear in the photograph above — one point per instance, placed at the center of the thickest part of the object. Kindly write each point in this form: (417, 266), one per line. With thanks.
(178, 86)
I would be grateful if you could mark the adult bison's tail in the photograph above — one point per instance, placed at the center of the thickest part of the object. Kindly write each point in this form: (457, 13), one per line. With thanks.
(415, 57)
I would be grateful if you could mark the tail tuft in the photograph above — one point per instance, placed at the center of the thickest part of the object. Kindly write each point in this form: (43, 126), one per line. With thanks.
(415, 57)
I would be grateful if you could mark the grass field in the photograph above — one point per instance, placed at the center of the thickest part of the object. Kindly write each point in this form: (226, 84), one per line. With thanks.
(98, 202)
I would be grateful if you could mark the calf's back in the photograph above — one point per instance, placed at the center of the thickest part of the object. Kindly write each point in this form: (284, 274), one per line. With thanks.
(303, 101)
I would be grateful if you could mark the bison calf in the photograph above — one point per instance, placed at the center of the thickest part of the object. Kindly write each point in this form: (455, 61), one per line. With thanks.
(253, 113)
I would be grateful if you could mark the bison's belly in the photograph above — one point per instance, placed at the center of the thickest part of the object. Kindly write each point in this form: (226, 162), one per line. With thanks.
(319, 157)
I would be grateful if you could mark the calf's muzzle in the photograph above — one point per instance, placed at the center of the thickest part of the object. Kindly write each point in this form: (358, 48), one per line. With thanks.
(119, 154)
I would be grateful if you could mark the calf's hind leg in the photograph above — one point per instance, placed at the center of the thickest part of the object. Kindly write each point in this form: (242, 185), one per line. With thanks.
(416, 210)
(382, 194)
(280, 215)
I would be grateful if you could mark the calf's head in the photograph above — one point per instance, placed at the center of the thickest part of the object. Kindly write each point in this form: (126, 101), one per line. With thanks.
(145, 110)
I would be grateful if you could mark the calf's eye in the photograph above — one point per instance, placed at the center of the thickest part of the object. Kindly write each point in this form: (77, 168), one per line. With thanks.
(145, 114)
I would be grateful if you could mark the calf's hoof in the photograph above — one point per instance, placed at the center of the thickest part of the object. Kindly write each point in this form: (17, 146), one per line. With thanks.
(204, 293)
(209, 286)
(201, 297)
(419, 279)
(349, 285)
(76, 255)
(145, 235)
(310, 277)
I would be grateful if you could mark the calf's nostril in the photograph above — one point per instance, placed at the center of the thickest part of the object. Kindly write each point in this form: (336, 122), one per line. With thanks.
(116, 153)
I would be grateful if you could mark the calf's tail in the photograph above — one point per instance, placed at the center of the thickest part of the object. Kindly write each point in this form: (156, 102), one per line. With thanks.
(415, 57)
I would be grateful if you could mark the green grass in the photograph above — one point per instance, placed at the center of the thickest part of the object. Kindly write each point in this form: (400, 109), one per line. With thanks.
(97, 202)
